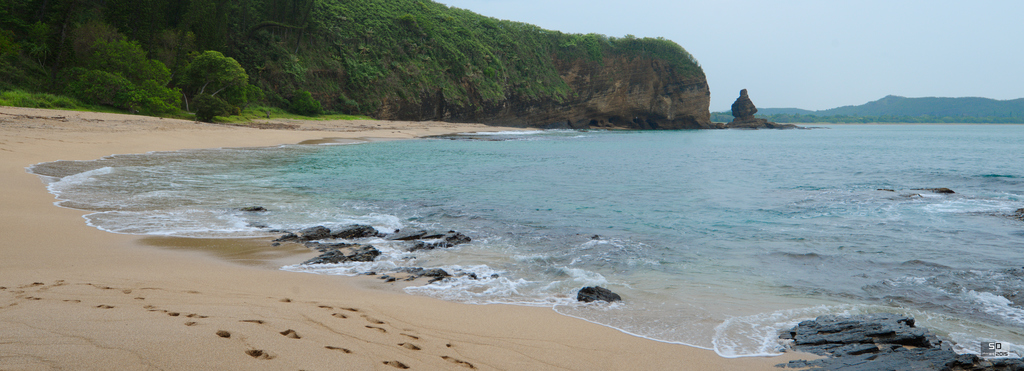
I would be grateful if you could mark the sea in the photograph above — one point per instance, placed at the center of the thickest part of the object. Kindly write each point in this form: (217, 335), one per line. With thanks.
(715, 239)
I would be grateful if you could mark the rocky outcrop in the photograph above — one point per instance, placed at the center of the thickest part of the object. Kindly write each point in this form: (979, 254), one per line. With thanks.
(595, 293)
(743, 111)
(619, 93)
(321, 233)
(880, 341)
(341, 253)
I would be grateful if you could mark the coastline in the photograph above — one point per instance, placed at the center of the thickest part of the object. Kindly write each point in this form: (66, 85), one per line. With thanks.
(72, 296)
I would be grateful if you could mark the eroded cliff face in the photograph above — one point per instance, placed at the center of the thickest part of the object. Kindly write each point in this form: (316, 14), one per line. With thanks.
(616, 93)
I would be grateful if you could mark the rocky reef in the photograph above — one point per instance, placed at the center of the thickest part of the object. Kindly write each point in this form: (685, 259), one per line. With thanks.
(613, 93)
(743, 111)
(881, 341)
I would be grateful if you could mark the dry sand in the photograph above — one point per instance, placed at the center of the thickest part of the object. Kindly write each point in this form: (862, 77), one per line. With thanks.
(74, 297)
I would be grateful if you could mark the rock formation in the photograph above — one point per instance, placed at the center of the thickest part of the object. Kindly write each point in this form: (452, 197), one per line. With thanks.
(621, 93)
(881, 341)
(743, 111)
(595, 293)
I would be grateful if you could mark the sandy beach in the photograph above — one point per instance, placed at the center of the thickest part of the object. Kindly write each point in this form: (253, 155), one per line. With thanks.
(75, 297)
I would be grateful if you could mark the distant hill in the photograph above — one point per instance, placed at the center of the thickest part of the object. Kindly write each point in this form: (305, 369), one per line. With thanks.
(902, 109)
(901, 106)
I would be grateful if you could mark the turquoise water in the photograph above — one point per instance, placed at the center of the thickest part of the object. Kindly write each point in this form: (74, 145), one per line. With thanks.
(715, 239)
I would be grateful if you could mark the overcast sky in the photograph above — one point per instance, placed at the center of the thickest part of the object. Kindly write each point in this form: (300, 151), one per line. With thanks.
(812, 54)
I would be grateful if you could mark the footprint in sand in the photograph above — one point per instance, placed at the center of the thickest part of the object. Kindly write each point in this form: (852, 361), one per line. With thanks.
(376, 328)
(256, 321)
(396, 364)
(190, 323)
(259, 354)
(104, 306)
(325, 306)
(286, 300)
(193, 315)
(373, 320)
(338, 348)
(222, 333)
(458, 362)
(289, 333)
(173, 314)
(339, 315)
(350, 309)
(409, 346)
(414, 337)
(72, 300)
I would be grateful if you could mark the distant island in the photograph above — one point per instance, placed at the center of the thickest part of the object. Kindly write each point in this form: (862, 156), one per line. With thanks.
(896, 109)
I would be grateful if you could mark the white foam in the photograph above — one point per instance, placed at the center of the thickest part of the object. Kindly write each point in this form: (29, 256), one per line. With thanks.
(996, 305)
(77, 179)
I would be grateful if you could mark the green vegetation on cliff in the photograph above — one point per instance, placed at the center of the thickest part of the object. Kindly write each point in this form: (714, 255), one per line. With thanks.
(349, 56)
(895, 109)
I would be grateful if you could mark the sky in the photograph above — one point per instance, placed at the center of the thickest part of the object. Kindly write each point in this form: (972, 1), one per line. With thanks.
(812, 54)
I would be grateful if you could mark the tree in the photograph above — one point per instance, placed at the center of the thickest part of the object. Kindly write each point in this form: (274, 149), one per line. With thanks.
(220, 77)
(212, 73)
(117, 73)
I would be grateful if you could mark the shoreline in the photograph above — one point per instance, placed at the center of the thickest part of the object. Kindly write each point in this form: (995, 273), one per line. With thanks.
(72, 296)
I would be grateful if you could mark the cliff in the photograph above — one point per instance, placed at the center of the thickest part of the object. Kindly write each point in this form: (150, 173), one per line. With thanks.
(395, 59)
(614, 93)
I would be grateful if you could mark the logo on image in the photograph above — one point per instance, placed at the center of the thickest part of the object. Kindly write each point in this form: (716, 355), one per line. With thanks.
(992, 349)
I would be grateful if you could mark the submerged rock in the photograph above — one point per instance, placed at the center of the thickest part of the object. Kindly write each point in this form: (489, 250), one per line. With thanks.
(880, 341)
(595, 293)
(355, 231)
(448, 239)
(314, 233)
(254, 209)
(936, 190)
(407, 235)
(335, 254)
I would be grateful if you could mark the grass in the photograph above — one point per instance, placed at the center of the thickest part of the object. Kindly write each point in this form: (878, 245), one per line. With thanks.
(254, 113)
(21, 98)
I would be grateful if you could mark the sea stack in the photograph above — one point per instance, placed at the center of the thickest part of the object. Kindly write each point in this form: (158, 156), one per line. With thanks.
(743, 111)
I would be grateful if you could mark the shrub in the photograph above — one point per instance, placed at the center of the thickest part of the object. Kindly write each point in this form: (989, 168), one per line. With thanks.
(304, 104)
(208, 106)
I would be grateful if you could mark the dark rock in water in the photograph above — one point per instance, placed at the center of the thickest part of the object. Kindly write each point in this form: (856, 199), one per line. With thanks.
(881, 328)
(322, 247)
(453, 238)
(936, 190)
(356, 253)
(743, 107)
(594, 293)
(1019, 214)
(886, 189)
(436, 274)
(254, 209)
(449, 239)
(407, 235)
(743, 111)
(314, 233)
(355, 231)
(288, 237)
(881, 341)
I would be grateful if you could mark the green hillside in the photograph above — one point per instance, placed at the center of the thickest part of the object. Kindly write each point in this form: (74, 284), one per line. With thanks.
(140, 55)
